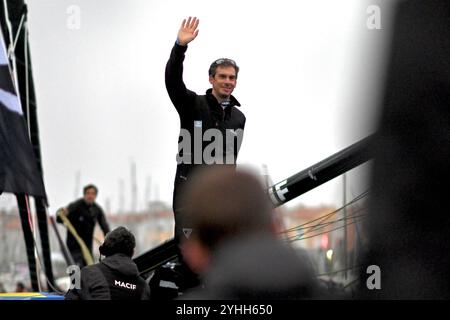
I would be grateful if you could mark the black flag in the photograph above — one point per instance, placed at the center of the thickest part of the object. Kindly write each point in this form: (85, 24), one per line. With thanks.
(18, 167)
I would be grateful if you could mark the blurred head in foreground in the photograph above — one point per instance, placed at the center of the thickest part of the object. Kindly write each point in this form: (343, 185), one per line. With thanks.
(223, 204)
(233, 243)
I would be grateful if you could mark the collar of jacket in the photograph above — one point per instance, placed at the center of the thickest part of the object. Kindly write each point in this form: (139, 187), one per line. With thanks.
(121, 263)
(211, 97)
(87, 205)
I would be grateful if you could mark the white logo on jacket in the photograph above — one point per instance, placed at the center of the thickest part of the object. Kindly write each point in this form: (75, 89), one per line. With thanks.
(125, 285)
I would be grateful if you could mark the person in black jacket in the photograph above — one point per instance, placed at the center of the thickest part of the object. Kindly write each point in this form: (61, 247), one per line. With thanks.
(211, 117)
(83, 214)
(116, 277)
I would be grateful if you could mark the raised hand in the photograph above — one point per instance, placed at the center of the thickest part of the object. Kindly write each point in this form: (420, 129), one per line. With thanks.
(188, 31)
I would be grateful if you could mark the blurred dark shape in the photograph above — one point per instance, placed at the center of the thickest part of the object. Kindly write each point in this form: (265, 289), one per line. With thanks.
(170, 280)
(258, 267)
(20, 287)
(233, 244)
(409, 222)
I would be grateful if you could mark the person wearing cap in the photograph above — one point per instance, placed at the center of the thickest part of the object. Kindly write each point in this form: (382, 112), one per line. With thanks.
(116, 277)
(215, 112)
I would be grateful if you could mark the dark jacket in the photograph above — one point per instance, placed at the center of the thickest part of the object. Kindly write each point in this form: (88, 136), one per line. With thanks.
(114, 278)
(83, 217)
(258, 267)
(197, 111)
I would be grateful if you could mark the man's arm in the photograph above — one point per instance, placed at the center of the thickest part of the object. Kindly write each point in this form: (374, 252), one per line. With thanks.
(176, 88)
(63, 211)
(102, 221)
(67, 211)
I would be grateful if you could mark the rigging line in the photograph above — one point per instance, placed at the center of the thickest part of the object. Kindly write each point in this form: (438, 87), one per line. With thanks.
(353, 194)
(358, 241)
(351, 283)
(337, 228)
(300, 227)
(13, 45)
(336, 212)
(48, 281)
(362, 195)
(37, 251)
(324, 225)
(338, 271)
(8, 24)
(306, 233)
(27, 92)
(30, 218)
(33, 232)
(315, 235)
(318, 225)
(43, 268)
(9, 52)
(300, 237)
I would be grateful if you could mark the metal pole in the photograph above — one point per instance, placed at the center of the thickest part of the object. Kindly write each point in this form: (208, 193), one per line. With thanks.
(321, 172)
(344, 200)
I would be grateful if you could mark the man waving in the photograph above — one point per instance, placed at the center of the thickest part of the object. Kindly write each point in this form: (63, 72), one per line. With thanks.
(213, 117)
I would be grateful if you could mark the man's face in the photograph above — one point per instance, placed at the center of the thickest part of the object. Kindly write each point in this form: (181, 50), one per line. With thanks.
(90, 195)
(224, 81)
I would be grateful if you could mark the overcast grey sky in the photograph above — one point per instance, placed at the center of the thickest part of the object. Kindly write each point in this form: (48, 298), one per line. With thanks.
(307, 84)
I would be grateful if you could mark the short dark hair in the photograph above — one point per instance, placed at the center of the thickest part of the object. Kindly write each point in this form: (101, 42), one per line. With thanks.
(20, 285)
(120, 240)
(90, 186)
(222, 62)
(221, 203)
